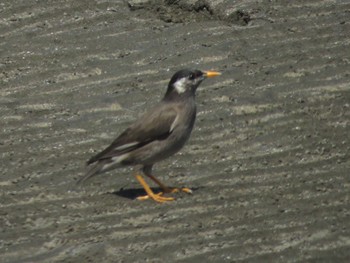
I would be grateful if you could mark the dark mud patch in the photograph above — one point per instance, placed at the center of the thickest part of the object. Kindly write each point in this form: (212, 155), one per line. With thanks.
(178, 11)
(171, 11)
(239, 17)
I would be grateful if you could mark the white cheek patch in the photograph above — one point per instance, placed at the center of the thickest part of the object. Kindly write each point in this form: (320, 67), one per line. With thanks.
(180, 85)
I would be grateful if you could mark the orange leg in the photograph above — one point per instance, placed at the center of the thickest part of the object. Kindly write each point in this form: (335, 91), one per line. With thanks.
(156, 197)
(167, 189)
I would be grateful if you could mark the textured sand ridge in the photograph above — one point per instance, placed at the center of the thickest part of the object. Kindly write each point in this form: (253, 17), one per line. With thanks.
(268, 157)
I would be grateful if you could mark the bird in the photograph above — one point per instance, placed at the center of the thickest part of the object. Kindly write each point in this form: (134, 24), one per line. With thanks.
(158, 134)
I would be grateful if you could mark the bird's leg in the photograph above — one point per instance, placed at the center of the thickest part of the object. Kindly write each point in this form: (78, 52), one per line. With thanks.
(147, 170)
(156, 197)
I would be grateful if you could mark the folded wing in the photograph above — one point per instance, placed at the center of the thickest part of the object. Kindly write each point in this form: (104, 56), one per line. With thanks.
(156, 124)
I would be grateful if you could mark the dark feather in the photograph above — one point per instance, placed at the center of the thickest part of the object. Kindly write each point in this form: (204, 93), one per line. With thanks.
(156, 124)
(94, 170)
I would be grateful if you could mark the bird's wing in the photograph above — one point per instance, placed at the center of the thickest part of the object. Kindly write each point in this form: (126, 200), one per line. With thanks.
(156, 124)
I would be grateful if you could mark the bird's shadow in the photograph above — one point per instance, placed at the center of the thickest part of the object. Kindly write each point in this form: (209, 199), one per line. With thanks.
(133, 193)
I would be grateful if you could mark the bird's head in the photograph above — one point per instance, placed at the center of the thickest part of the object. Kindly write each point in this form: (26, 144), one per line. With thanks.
(185, 82)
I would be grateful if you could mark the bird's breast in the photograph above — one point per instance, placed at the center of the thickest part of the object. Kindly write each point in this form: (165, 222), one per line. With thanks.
(184, 123)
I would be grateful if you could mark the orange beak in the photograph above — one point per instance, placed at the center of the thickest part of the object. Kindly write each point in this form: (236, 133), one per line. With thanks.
(210, 74)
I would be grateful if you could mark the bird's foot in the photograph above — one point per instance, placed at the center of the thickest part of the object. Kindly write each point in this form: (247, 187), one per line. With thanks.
(169, 190)
(156, 197)
(172, 190)
(150, 195)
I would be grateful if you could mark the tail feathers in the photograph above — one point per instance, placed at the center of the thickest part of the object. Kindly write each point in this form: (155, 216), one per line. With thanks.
(94, 170)
(104, 165)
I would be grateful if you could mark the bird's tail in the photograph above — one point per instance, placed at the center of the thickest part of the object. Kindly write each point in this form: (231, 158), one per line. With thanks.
(94, 170)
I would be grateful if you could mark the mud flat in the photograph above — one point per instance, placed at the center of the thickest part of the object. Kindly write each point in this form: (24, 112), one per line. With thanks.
(268, 159)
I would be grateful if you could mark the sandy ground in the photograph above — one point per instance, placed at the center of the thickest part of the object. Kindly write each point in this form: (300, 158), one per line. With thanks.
(268, 159)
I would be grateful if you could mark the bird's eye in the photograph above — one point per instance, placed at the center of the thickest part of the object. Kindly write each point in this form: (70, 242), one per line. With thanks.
(192, 76)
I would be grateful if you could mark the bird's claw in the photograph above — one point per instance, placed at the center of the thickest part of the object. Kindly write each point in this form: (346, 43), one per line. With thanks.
(176, 190)
(156, 197)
